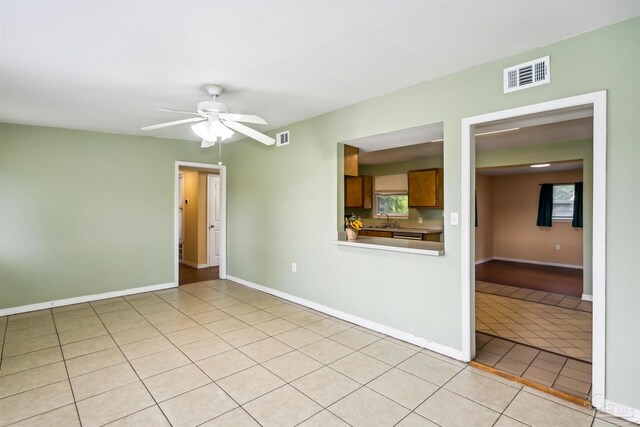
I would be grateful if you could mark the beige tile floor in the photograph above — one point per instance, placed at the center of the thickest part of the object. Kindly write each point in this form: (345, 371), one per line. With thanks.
(558, 372)
(556, 329)
(220, 354)
(540, 297)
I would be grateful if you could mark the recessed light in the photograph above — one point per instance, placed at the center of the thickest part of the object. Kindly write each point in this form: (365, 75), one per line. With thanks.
(496, 131)
(541, 165)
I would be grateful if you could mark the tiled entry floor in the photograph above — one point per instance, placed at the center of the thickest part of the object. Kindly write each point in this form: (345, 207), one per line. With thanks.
(567, 375)
(541, 297)
(555, 329)
(220, 354)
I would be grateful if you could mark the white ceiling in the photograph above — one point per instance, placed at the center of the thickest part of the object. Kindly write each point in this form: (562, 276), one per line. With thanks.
(105, 65)
(524, 169)
(399, 138)
(528, 130)
(571, 130)
(401, 154)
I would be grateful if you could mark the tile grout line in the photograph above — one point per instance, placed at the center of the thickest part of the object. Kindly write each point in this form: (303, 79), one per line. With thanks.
(73, 396)
(4, 339)
(132, 368)
(536, 348)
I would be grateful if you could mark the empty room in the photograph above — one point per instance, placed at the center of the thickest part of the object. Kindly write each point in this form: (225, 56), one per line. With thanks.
(319, 213)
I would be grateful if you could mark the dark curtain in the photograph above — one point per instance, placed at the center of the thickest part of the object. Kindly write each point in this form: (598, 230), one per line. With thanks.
(577, 206)
(476, 212)
(545, 205)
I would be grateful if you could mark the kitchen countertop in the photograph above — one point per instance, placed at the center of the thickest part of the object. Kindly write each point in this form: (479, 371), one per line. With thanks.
(404, 230)
(396, 245)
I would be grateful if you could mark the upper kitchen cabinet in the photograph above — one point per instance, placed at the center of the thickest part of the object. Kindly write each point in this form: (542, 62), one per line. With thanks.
(425, 188)
(358, 192)
(351, 160)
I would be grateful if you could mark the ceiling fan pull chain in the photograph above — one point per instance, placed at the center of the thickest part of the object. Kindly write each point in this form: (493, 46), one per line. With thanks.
(220, 154)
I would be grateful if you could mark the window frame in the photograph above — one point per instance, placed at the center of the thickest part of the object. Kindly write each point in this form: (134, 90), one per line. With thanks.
(378, 214)
(563, 218)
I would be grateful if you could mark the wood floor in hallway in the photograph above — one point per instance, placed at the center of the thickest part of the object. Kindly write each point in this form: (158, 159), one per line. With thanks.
(560, 280)
(192, 275)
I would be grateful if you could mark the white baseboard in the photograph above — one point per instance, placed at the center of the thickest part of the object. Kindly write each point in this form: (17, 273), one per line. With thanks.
(528, 261)
(383, 329)
(194, 265)
(483, 260)
(587, 297)
(627, 413)
(85, 298)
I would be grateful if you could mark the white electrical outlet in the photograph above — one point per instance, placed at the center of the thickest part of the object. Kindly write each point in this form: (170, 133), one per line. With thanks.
(420, 220)
(294, 267)
(454, 218)
(557, 247)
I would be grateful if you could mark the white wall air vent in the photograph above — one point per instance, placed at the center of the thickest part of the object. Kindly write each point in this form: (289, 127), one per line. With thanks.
(527, 74)
(282, 138)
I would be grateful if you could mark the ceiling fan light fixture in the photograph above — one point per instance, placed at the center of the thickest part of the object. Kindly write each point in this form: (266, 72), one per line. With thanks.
(211, 130)
(220, 130)
(202, 130)
(213, 123)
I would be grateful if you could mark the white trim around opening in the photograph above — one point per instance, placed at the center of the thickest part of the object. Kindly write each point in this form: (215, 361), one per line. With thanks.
(222, 170)
(599, 102)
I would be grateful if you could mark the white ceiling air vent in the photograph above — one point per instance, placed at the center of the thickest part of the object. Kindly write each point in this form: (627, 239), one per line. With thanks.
(282, 138)
(527, 74)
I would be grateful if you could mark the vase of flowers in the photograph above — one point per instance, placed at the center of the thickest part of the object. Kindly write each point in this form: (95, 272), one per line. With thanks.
(353, 224)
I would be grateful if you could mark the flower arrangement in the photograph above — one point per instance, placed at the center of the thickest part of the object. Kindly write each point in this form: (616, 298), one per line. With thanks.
(353, 224)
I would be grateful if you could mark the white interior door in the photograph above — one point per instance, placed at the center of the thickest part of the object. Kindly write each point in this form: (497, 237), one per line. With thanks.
(214, 219)
(181, 206)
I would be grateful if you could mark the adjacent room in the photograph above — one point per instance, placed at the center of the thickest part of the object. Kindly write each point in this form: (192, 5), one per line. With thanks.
(275, 213)
(533, 302)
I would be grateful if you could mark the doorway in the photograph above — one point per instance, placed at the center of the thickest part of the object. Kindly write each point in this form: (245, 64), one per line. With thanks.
(597, 103)
(200, 222)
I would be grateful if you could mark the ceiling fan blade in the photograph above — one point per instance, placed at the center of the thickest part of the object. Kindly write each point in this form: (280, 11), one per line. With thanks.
(246, 118)
(177, 122)
(207, 144)
(178, 111)
(251, 133)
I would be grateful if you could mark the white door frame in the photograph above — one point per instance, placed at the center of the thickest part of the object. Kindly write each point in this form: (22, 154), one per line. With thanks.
(209, 215)
(599, 102)
(222, 170)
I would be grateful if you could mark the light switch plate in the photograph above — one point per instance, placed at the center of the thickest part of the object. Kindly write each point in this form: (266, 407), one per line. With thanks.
(454, 218)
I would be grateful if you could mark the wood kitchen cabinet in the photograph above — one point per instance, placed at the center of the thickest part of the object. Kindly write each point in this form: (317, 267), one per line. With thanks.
(425, 188)
(358, 191)
(431, 237)
(351, 155)
(375, 233)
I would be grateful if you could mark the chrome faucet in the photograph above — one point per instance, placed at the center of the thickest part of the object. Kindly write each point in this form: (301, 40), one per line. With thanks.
(387, 224)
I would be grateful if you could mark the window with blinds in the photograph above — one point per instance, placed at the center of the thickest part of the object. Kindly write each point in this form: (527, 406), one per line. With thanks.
(391, 196)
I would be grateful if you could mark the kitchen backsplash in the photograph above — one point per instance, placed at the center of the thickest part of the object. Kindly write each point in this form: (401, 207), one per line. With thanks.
(431, 218)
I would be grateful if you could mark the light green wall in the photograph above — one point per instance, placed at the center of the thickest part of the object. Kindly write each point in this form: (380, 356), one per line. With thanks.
(558, 152)
(283, 201)
(85, 212)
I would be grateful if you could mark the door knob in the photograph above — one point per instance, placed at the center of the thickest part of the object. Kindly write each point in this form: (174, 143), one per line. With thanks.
(212, 226)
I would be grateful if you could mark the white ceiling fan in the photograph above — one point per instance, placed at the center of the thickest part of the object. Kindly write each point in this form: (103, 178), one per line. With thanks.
(214, 122)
